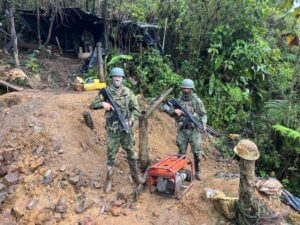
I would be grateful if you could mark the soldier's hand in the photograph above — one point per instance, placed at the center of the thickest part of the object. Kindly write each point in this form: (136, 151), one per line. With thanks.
(204, 127)
(107, 106)
(130, 123)
(178, 112)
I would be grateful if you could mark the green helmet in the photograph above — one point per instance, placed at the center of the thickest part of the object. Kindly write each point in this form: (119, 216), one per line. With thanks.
(117, 72)
(187, 83)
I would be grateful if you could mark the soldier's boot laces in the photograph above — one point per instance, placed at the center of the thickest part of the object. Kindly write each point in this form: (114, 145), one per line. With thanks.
(108, 181)
(137, 178)
(197, 168)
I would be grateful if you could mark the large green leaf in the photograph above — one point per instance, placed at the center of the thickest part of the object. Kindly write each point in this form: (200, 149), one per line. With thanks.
(118, 58)
(211, 84)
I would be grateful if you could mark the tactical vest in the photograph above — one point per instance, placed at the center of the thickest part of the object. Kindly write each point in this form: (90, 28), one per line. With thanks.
(191, 105)
(122, 99)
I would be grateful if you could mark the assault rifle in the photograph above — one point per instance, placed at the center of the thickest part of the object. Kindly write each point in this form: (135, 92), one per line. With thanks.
(189, 117)
(117, 114)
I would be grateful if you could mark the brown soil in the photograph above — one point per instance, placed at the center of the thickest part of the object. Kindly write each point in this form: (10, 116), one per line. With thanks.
(52, 121)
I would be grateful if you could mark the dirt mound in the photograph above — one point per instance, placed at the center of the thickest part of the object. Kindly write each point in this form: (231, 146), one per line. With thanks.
(55, 167)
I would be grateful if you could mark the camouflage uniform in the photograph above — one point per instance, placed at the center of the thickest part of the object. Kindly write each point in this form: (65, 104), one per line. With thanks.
(116, 137)
(187, 132)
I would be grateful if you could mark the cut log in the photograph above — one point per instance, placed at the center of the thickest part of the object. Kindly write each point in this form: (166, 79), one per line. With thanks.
(10, 86)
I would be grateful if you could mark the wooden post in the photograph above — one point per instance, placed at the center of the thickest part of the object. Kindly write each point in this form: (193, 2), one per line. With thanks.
(100, 63)
(143, 140)
(246, 208)
(154, 106)
(247, 180)
(58, 45)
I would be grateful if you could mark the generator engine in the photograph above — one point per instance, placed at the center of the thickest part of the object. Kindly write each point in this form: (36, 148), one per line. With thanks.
(171, 176)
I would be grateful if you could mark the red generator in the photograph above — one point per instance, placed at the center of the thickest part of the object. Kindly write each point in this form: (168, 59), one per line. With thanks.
(171, 176)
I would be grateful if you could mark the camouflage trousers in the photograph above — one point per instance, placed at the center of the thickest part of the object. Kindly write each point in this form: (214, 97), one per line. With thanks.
(188, 136)
(116, 139)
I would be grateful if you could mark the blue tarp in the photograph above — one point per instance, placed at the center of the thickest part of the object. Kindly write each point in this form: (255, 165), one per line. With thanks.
(291, 200)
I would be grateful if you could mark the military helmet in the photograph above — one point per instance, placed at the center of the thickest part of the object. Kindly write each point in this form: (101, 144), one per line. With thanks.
(246, 149)
(187, 83)
(117, 72)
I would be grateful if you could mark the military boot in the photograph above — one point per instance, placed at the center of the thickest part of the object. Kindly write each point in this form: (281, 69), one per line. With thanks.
(197, 167)
(134, 171)
(108, 181)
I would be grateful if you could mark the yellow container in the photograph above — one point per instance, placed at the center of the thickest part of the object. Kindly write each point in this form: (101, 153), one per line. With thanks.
(95, 85)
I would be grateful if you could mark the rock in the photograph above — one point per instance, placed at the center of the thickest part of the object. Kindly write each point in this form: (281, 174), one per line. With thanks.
(2, 187)
(57, 216)
(19, 207)
(31, 205)
(155, 214)
(74, 179)
(12, 188)
(96, 185)
(11, 178)
(83, 146)
(115, 211)
(61, 206)
(60, 151)
(62, 168)
(63, 183)
(39, 149)
(83, 203)
(3, 195)
(86, 221)
(3, 171)
(56, 147)
(48, 177)
(124, 195)
(118, 202)
(125, 212)
(7, 219)
(37, 163)
(7, 155)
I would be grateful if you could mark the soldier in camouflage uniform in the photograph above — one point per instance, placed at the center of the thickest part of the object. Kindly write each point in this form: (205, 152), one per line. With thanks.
(187, 133)
(116, 137)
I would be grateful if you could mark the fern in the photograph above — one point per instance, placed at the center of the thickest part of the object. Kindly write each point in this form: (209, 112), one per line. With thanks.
(235, 93)
(287, 132)
(277, 109)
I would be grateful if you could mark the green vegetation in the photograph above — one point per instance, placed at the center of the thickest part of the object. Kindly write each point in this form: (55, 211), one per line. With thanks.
(244, 69)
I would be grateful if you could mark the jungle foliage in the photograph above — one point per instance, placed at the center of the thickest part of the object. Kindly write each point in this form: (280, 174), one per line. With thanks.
(238, 53)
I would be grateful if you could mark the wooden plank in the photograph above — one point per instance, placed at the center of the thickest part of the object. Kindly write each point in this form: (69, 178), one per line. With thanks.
(10, 86)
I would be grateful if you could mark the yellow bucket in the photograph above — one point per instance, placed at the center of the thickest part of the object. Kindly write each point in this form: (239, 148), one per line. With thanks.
(95, 85)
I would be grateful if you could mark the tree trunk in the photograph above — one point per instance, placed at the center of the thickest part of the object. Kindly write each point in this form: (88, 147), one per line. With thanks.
(100, 63)
(93, 6)
(10, 13)
(87, 5)
(53, 14)
(38, 23)
(104, 15)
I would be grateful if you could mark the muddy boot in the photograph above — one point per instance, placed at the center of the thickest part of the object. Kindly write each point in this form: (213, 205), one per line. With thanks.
(197, 167)
(108, 181)
(134, 171)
